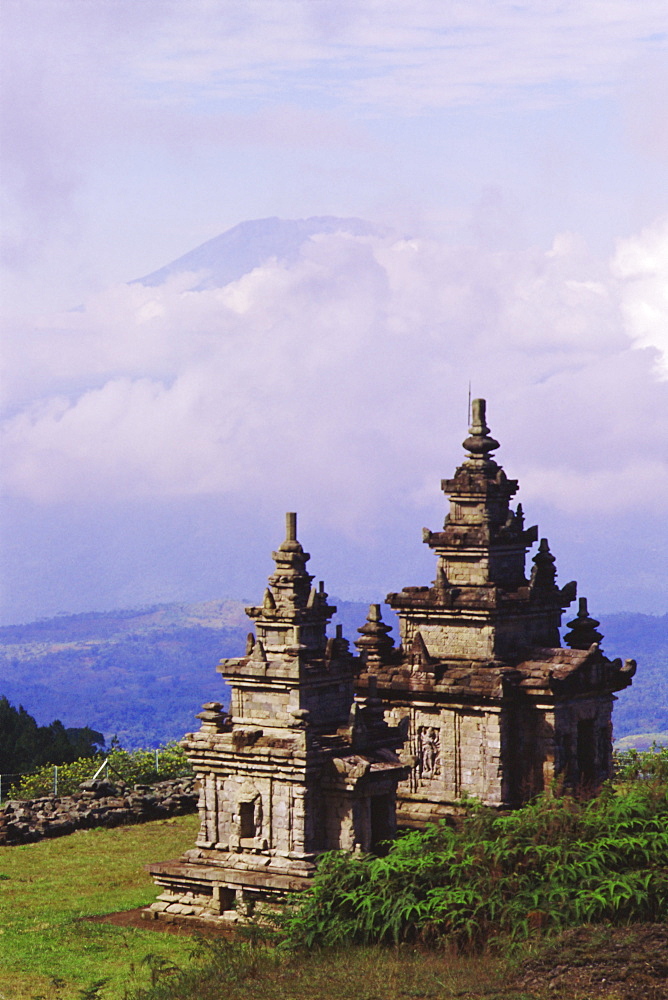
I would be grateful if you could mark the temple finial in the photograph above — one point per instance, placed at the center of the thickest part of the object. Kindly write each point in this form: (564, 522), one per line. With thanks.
(478, 414)
(479, 444)
(375, 644)
(290, 544)
(583, 629)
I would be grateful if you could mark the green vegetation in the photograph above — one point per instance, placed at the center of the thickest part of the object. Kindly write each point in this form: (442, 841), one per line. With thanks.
(25, 746)
(642, 765)
(49, 889)
(132, 766)
(457, 901)
(555, 863)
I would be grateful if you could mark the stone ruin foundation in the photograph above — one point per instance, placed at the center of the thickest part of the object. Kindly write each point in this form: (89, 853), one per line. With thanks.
(324, 750)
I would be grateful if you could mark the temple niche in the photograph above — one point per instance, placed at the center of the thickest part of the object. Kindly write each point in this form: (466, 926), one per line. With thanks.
(301, 765)
(492, 704)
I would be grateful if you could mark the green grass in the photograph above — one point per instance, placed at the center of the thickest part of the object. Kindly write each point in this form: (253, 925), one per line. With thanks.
(241, 972)
(47, 887)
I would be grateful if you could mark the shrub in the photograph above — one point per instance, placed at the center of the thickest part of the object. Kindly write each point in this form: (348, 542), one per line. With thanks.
(131, 766)
(640, 765)
(554, 863)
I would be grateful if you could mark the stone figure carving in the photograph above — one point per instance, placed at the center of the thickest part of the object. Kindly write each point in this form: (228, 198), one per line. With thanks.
(429, 752)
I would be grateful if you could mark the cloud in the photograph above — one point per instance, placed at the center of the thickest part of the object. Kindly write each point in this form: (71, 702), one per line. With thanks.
(77, 76)
(575, 491)
(641, 265)
(375, 52)
(338, 382)
(407, 57)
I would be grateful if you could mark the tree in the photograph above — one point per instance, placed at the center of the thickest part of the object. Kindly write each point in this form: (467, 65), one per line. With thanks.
(25, 746)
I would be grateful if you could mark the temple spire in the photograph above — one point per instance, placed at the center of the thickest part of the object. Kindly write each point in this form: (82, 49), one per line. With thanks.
(293, 612)
(481, 569)
(479, 444)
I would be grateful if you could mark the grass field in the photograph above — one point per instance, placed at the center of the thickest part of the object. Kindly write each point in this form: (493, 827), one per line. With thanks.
(49, 950)
(46, 888)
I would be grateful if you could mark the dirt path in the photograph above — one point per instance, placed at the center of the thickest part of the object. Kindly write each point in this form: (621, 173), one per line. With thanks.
(624, 963)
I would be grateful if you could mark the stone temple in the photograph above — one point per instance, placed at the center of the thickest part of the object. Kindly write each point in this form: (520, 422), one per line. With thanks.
(300, 767)
(324, 750)
(496, 707)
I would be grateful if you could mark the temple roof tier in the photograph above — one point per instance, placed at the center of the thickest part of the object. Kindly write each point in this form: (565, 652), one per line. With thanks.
(548, 672)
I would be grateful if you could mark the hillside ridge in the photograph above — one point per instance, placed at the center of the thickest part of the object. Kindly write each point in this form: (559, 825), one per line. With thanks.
(144, 673)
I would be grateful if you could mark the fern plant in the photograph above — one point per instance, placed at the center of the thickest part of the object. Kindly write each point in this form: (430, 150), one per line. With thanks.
(556, 862)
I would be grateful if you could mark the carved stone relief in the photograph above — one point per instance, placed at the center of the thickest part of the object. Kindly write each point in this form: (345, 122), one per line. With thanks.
(429, 752)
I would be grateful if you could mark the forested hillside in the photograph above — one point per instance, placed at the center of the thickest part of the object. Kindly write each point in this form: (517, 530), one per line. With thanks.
(642, 708)
(143, 675)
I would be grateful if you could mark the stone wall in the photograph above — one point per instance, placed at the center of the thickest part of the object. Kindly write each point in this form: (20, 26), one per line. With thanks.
(452, 751)
(98, 803)
(447, 637)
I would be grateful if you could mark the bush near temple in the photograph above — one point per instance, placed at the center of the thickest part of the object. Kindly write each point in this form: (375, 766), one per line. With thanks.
(557, 862)
(131, 766)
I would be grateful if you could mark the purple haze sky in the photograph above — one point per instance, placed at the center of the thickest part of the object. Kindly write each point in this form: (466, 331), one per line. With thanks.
(513, 157)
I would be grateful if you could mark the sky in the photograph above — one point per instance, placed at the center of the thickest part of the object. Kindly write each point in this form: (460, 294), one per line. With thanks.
(508, 161)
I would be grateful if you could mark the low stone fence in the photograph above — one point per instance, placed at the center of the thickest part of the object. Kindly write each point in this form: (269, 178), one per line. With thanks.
(98, 803)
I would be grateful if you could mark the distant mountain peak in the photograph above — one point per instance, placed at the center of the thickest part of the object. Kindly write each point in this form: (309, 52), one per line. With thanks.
(249, 244)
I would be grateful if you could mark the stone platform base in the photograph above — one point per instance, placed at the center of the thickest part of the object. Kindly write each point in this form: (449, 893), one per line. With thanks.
(206, 892)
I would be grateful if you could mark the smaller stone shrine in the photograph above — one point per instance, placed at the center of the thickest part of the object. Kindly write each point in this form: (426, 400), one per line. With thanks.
(301, 766)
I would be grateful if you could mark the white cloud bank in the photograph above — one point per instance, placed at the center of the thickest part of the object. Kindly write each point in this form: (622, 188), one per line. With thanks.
(641, 264)
(338, 383)
(90, 89)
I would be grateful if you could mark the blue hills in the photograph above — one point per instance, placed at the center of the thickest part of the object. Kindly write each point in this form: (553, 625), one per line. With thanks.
(144, 674)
